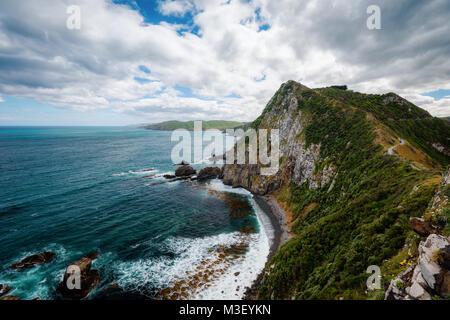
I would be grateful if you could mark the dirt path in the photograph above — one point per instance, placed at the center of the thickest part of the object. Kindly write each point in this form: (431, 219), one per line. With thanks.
(391, 149)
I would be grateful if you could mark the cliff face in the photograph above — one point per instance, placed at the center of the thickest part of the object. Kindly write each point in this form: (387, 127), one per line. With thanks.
(297, 159)
(353, 169)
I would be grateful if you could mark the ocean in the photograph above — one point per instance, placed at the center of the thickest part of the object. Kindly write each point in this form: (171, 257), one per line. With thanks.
(77, 190)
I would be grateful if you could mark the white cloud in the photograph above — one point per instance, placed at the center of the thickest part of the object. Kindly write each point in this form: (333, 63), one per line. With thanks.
(319, 43)
(175, 7)
(1, 99)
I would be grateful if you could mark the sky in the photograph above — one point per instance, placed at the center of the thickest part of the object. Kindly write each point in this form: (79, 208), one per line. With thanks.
(142, 61)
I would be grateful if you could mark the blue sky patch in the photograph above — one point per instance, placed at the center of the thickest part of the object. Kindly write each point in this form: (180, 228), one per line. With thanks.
(438, 94)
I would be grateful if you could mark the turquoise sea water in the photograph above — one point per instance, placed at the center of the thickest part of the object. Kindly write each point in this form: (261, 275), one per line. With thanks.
(79, 190)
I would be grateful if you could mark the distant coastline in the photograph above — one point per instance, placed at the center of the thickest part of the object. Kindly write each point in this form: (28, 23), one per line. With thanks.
(189, 125)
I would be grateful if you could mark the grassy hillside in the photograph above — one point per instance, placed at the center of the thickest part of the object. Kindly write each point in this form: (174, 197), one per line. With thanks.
(360, 218)
(189, 125)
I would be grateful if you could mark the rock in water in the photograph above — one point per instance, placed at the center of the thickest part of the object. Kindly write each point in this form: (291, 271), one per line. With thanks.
(185, 171)
(4, 289)
(422, 226)
(10, 298)
(209, 172)
(33, 260)
(88, 279)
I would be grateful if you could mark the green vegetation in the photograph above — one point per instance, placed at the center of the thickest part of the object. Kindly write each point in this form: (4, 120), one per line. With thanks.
(363, 219)
(189, 125)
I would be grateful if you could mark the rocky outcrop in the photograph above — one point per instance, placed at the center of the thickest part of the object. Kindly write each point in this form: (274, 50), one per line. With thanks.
(440, 200)
(185, 171)
(4, 289)
(422, 226)
(209, 172)
(33, 260)
(299, 162)
(430, 276)
(70, 288)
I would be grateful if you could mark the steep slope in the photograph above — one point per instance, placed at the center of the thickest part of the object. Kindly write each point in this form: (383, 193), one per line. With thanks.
(350, 199)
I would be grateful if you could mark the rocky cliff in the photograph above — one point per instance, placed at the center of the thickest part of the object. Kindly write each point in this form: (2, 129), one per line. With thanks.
(353, 169)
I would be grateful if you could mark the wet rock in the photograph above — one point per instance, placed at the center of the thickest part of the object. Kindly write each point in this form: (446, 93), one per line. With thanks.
(169, 176)
(422, 226)
(209, 173)
(183, 163)
(112, 287)
(88, 279)
(4, 289)
(33, 260)
(10, 298)
(92, 255)
(185, 171)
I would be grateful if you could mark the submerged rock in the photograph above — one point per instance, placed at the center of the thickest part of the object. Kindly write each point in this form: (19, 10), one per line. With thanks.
(209, 172)
(185, 171)
(33, 260)
(88, 277)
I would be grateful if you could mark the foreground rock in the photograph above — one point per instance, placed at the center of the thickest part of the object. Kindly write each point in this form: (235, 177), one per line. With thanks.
(10, 298)
(209, 173)
(422, 226)
(33, 260)
(89, 278)
(431, 275)
(185, 171)
(4, 289)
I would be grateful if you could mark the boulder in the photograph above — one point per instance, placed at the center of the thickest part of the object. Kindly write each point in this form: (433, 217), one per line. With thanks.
(4, 289)
(33, 260)
(432, 261)
(422, 226)
(185, 171)
(416, 291)
(209, 172)
(89, 278)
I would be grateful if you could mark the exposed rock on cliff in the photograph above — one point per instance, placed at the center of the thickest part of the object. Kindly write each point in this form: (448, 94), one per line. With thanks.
(298, 160)
(422, 226)
(431, 275)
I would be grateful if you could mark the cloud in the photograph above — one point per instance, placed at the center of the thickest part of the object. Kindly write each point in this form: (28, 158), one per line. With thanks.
(230, 54)
(1, 99)
(175, 7)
